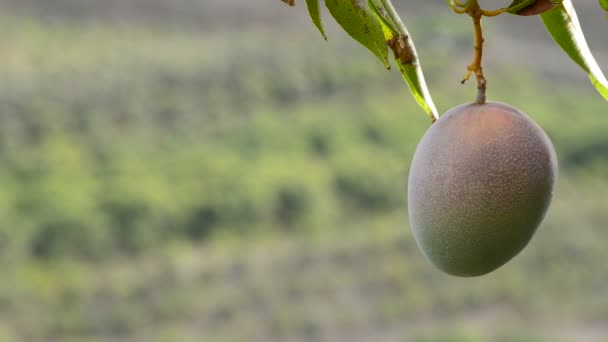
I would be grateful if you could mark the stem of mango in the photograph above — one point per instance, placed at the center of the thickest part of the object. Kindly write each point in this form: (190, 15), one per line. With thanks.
(473, 9)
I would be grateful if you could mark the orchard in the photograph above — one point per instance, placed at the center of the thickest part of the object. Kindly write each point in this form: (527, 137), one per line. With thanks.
(483, 175)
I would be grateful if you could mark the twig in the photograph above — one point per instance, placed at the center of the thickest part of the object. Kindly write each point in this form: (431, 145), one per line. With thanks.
(476, 67)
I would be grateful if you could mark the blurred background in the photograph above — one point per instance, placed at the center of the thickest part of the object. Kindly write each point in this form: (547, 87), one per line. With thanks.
(209, 170)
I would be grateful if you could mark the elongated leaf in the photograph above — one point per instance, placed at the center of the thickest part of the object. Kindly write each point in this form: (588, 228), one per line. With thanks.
(389, 28)
(518, 5)
(531, 7)
(315, 15)
(406, 58)
(563, 25)
(361, 24)
(412, 73)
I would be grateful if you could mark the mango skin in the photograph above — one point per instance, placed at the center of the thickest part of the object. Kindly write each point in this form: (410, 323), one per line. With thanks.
(480, 183)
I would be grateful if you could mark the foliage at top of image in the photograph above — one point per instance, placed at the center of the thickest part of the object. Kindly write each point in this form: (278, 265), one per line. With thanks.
(355, 17)
(483, 175)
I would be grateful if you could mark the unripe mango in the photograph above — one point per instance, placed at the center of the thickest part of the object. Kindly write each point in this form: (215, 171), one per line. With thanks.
(480, 183)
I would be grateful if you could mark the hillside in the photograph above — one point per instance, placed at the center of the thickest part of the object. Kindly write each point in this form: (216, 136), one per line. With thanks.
(165, 181)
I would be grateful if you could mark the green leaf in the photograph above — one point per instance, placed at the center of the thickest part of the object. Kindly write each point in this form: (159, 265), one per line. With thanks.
(563, 25)
(531, 7)
(412, 73)
(389, 28)
(358, 21)
(315, 15)
(604, 4)
(409, 65)
(518, 5)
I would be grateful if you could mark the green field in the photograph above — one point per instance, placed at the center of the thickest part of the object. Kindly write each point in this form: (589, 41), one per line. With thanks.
(190, 185)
